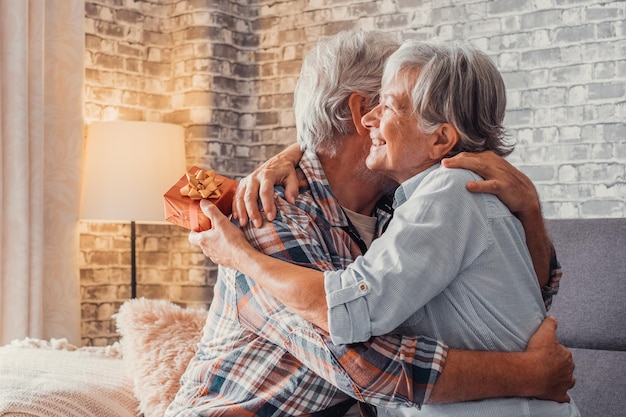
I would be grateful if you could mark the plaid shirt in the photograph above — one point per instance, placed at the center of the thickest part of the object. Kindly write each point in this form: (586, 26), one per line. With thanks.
(258, 359)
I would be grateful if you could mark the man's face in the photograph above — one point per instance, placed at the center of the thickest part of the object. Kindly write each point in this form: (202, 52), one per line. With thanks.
(398, 149)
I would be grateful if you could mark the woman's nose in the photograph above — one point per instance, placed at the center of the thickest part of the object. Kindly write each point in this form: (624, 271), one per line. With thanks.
(370, 118)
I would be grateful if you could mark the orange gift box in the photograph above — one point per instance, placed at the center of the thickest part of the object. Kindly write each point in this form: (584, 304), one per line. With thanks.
(182, 200)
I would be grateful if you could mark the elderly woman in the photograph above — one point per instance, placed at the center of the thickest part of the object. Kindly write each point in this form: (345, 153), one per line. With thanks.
(452, 264)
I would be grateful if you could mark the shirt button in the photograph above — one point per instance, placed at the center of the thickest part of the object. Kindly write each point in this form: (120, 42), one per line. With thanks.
(363, 287)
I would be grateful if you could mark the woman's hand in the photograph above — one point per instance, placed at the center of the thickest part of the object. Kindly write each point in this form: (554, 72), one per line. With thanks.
(278, 170)
(224, 243)
(508, 183)
(518, 193)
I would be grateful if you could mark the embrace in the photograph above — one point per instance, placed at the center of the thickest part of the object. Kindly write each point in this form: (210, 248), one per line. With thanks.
(345, 301)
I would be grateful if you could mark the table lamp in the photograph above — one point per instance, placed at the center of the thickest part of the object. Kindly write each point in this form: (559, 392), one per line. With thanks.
(128, 166)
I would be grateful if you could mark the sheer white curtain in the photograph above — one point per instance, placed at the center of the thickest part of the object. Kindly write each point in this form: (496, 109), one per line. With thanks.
(41, 81)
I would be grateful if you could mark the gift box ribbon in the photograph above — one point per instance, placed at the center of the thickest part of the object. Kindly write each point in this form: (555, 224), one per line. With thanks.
(202, 184)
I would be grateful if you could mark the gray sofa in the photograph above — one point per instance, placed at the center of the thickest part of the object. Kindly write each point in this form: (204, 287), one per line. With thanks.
(591, 310)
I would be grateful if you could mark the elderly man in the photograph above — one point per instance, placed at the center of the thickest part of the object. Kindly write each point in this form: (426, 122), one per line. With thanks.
(258, 358)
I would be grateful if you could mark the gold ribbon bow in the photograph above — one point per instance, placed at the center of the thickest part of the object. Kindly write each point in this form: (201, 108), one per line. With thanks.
(203, 184)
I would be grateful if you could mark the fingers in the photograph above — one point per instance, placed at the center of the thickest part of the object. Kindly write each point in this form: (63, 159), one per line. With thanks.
(552, 321)
(557, 362)
(266, 194)
(260, 185)
(477, 162)
(291, 189)
(545, 336)
(251, 203)
(501, 178)
(486, 164)
(239, 208)
(564, 399)
(549, 325)
(571, 380)
(245, 204)
(467, 160)
(487, 186)
(206, 206)
(195, 238)
(199, 238)
(212, 212)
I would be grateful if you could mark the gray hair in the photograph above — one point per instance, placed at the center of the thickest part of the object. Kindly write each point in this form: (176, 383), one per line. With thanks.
(456, 84)
(349, 62)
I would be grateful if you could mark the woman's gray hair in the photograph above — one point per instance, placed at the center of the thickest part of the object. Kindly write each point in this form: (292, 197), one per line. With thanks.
(453, 83)
(346, 63)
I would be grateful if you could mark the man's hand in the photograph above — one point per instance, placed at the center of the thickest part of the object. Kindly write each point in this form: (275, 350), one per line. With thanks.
(545, 370)
(224, 242)
(554, 363)
(511, 186)
(278, 170)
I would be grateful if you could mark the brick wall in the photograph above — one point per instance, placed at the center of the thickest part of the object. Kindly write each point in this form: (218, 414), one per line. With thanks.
(564, 63)
(226, 70)
(167, 268)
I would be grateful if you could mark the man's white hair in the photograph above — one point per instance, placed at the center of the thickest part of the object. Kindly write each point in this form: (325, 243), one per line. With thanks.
(349, 62)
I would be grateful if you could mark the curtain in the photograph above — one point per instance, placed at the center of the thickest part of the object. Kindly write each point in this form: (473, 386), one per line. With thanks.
(41, 130)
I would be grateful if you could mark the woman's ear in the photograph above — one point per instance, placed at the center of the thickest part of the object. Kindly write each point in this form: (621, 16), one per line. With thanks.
(355, 102)
(446, 137)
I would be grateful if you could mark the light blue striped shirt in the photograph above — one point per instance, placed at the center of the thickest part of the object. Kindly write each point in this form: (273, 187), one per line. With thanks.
(452, 265)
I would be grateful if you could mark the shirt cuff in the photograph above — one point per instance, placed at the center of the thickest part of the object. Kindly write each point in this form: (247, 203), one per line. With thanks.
(348, 313)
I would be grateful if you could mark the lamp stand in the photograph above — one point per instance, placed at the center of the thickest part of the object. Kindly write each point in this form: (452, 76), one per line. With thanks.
(133, 261)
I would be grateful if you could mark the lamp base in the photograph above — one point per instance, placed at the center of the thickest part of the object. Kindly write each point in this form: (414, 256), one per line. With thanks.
(133, 261)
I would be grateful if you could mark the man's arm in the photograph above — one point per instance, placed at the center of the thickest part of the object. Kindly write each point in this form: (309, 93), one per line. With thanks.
(303, 293)
(545, 370)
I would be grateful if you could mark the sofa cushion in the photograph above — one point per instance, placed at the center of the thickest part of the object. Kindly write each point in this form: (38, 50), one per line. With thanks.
(590, 304)
(599, 381)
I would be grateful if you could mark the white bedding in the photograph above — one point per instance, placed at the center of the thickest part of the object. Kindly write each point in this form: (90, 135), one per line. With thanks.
(50, 379)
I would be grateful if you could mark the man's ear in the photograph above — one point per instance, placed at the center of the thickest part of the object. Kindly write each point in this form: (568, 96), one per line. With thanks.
(356, 104)
(445, 137)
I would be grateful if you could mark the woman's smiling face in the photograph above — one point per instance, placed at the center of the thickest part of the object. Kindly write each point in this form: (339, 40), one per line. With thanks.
(398, 150)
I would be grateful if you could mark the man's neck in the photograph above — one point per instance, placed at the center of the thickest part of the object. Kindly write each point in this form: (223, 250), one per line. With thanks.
(350, 188)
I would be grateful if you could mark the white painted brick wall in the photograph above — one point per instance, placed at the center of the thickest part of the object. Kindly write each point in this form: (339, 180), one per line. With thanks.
(564, 63)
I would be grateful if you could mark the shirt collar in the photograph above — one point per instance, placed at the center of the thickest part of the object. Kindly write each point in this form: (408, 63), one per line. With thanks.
(408, 187)
(321, 192)
(320, 189)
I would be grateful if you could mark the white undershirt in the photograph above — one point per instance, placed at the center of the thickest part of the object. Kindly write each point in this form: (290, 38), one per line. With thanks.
(365, 225)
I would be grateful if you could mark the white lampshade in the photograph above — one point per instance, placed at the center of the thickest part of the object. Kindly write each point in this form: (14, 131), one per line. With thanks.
(128, 166)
